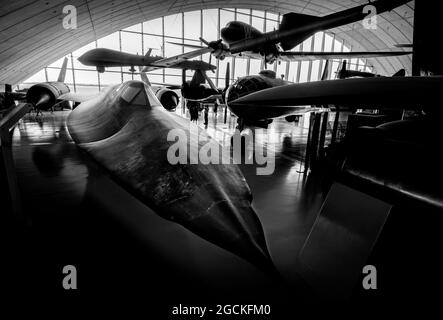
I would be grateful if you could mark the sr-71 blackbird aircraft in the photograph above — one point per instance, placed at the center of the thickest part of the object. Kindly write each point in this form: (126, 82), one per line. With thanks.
(241, 38)
(125, 129)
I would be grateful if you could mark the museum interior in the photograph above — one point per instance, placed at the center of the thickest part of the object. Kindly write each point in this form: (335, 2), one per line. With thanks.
(222, 151)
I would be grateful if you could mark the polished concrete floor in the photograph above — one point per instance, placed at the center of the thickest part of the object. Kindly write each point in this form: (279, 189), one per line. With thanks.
(78, 215)
(71, 201)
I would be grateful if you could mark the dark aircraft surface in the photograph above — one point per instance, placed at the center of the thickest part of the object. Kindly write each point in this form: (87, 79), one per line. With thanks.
(102, 57)
(378, 93)
(202, 89)
(125, 130)
(261, 117)
(241, 38)
(8, 97)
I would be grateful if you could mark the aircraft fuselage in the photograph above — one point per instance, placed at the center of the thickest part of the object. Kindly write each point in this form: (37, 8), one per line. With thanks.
(294, 29)
(126, 130)
(112, 58)
(250, 84)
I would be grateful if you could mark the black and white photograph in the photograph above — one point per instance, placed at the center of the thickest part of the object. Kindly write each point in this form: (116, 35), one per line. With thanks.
(231, 159)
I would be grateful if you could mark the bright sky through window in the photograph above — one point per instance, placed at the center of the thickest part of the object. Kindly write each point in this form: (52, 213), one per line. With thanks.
(187, 28)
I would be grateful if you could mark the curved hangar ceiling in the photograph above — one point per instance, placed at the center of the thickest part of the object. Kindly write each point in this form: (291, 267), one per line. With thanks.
(32, 34)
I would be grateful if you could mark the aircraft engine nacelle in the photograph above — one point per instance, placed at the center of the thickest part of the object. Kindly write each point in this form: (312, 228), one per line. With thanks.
(168, 98)
(44, 95)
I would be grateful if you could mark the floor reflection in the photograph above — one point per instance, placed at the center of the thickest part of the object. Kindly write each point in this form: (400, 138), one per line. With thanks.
(74, 205)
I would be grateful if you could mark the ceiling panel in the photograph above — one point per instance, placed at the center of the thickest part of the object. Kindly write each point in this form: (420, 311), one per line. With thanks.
(32, 35)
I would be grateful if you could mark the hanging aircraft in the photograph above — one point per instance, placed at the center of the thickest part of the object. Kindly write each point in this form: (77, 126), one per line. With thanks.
(369, 93)
(211, 200)
(257, 100)
(344, 73)
(263, 117)
(202, 89)
(239, 38)
(103, 57)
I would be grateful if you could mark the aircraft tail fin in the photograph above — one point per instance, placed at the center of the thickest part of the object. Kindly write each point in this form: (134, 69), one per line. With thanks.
(198, 78)
(342, 72)
(294, 20)
(144, 76)
(209, 81)
(148, 53)
(62, 75)
(326, 71)
(400, 73)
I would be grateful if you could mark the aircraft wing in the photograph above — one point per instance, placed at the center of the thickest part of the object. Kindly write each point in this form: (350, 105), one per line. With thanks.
(211, 97)
(289, 56)
(167, 85)
(170, 62)
(377, 93)
(312, 55)
(77, 97)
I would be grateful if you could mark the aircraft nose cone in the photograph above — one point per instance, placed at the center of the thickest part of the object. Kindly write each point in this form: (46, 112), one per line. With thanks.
(241, 88)
(83, 58)
(236, 228)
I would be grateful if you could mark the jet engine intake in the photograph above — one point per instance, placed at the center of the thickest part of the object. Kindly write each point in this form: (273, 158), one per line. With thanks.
(168, 98)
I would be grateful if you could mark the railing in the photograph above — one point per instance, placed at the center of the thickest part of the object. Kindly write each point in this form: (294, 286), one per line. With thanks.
(7, 123)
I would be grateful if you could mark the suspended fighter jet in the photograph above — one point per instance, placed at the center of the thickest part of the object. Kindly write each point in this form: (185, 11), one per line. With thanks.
(344, 73)
(102, 57)
(239, 38)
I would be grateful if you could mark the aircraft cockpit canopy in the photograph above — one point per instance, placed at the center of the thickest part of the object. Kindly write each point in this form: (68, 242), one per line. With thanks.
(138, 93)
